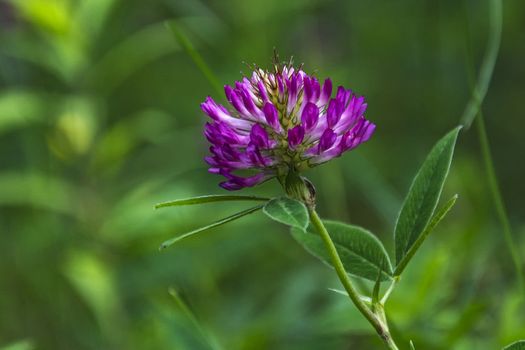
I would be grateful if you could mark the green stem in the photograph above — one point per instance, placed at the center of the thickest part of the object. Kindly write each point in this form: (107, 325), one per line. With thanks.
(379, 324)
(498, 200)
(186, 44)
(473, 109)
(207, 337)
(487, 65)
(389, 290)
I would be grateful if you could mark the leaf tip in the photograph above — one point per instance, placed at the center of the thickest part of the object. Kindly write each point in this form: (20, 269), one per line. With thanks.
(173, 292)
(456, 131)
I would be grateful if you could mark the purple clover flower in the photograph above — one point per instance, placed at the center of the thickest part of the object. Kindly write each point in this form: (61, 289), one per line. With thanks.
(282, 121)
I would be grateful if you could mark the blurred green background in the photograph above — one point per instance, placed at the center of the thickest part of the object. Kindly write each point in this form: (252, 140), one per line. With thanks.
(100, 120)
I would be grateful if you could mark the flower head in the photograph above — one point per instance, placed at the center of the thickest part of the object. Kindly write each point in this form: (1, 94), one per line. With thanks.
(281, 121)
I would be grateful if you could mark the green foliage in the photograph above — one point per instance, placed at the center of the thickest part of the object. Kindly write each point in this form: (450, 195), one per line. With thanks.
(19, 109)
(287, 211)
(423, 195)
(208, 199)
(519, 345)
(37, 191)
(19, 345)
(436, 219)
(361, 252)
(185, 42)
(100, 119)
(487, 68)
(206, 336)
(220, 222)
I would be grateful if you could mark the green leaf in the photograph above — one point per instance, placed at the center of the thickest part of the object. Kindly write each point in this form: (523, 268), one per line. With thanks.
(38, 190)
(424, 193)
(210, 226)
(361, 253)
(365, 299)
(519, 345)
(287, 211)
(19, 108)
(209, 199)
(19, 345)
(436, 219)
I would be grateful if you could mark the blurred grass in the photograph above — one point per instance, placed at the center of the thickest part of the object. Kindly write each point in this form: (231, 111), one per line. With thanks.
(474, 110)
(99, 120)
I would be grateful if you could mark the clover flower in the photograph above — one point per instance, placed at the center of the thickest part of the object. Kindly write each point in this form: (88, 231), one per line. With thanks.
(282, 121)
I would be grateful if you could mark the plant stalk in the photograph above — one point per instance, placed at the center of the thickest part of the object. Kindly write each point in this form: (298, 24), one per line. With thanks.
(377, 321)
(501, 211)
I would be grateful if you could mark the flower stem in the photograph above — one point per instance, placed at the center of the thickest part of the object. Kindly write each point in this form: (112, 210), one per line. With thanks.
(377, 321)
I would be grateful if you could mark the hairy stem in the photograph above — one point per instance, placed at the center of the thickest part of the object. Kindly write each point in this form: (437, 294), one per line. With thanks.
(379, 323)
